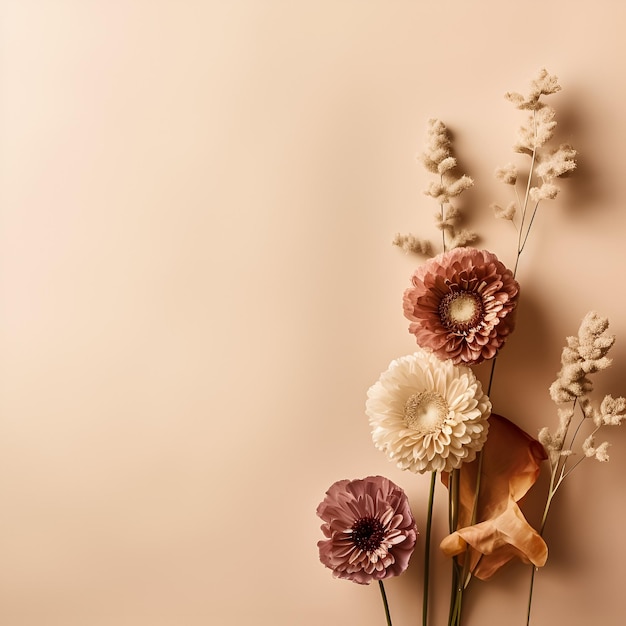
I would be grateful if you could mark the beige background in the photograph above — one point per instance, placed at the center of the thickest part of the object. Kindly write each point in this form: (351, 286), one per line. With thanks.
(198, 287)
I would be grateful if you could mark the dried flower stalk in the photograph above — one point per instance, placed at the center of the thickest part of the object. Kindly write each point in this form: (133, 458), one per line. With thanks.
(437, 158)
(546, 163)
(582, 356)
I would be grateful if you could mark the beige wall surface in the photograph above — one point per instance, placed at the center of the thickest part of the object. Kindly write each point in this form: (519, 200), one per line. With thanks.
(197, 288)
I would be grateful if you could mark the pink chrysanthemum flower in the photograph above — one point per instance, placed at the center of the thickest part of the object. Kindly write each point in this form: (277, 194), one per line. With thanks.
(461, 305)
(369, 527)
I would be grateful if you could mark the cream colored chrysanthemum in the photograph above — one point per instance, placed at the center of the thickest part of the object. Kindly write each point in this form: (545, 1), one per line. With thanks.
(427, 414)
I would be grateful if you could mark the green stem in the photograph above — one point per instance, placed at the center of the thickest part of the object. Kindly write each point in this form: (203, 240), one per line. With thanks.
(453, 590)
(493, 369)
(479, 471)
(457, 605)
(465, 573)
(530, 595)
(461, 577)
(429, 521)
(385, 603)
(453, 500)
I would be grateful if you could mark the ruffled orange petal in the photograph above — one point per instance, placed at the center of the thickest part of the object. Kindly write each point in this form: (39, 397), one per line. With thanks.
(511, 465)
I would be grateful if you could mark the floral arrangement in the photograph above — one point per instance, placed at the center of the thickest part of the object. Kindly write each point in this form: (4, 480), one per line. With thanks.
(429, 412)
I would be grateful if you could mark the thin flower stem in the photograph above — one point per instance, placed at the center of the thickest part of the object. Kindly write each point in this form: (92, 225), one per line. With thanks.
(530, 595)
(570, 470)
(493, 369)
(530, 175)
(532, 219)
(521, 237)
(458, 605)
(453, 498)
(385, 603)
(554, 485)
(582, 421)
(516, 264)
(453, 590)
(571, 445)
(461, 577)
(460, 580)
(479, 472)
(519, 200)
(466, 575)
(544, 517)
(429, 521)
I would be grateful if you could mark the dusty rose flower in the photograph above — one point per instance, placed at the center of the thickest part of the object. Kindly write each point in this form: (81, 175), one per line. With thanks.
(461, 305)
(369, 527)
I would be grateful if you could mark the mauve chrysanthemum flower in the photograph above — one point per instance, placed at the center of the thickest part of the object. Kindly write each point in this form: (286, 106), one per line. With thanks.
(427, 414)
(461, 305)
(369, 527)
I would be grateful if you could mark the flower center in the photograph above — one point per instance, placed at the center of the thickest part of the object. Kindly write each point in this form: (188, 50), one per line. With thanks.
(425, 411)
(368, 533)
(461, 311)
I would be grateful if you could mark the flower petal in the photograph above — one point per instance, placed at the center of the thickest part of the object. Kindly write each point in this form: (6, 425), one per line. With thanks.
(369, 529)
(510, 466)
(475, 276)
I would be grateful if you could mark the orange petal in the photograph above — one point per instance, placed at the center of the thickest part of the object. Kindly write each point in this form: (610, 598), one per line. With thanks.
(511, 465)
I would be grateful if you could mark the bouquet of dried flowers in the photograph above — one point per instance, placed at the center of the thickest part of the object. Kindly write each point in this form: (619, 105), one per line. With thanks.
(429, 412)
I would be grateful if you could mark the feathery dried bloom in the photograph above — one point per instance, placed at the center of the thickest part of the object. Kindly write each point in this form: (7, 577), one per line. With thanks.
(544, 85)
(507, 213)
(411, 243)
(507, 174)
(437, 149)
(449, 163)
(442, 191)
(463, 238)
(427, 414)
(600, 453)
(553, 442)
(536, 130)
(458, 186)
(612, 411)
(369, 529)
(547, 191)
(461, 305)
(437, 159)
(583, 355)
(557, 163)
